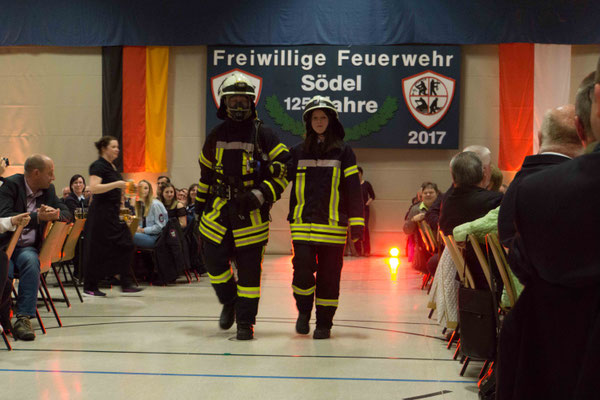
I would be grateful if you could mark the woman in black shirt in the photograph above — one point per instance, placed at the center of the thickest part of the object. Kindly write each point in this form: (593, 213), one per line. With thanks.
(108, 243)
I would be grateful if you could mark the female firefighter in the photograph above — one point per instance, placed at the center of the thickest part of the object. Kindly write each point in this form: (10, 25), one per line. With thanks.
(242, 167)
(325, 199)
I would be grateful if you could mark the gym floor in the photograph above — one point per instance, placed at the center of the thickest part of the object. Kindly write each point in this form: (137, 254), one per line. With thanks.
(166, 343)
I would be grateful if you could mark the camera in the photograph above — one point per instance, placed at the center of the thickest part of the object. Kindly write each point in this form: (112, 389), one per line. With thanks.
(6, 161)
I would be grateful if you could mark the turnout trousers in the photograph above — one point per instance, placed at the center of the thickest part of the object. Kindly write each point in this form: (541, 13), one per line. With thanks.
(245, 292)
(324, 290)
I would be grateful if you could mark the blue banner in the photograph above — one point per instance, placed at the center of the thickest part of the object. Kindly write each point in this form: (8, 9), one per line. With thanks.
(386, 96)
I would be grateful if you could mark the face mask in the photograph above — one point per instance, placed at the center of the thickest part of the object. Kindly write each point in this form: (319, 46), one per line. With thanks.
(239, 111)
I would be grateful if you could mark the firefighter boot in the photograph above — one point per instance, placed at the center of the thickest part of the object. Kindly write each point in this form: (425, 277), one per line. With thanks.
(302, 323)
(321, 333)
(227, 316)
(244, 332)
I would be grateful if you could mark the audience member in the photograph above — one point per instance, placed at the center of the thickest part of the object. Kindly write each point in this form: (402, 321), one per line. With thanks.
(559, 142)
(65, 193)
(31, 192)
(160, 182)
(415, 215)
(495, 179)
(182, 196)
(175, 208)
(191, 200)
(76, 198)
(556, 235)
(467, 201)
(153, 216)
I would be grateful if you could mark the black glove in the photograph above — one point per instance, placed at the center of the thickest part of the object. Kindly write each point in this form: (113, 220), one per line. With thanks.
(278, 170)
(356, 232)
(249, 201)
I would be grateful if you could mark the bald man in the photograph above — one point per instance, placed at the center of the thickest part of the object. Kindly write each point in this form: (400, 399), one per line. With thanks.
(549, 344)
(559, 142)
(31, 192)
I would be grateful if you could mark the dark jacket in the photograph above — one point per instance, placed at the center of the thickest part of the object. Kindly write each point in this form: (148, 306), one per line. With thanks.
(73, 202)
(13, 201)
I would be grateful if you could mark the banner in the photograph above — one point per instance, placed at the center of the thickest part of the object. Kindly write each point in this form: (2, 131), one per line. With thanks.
(386, 96)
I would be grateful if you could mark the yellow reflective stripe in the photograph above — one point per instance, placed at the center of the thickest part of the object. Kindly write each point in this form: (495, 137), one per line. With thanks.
(202, 188)
(218, 203)
(326, 302)
(200, 199)
(340, 230)
(255, 217)
(249, 183)
(223, 278)
(252, 239)
(300, 180)
(213, 225)
(205, 160)
(277, 150)
(304, 292)
(350, 171)
(314, 237)
(210, 234)
(272, 190)
(245, 163)
(248, 292)
(334, 198)
(281, 182)
(356, 221)
(250, 229)
(219, 157)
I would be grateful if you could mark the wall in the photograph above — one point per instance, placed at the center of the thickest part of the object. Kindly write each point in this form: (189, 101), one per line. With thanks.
(51, 103)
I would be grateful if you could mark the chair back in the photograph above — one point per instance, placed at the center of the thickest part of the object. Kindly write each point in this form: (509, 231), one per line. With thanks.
(135, 222)
(13, 241)
(459, 261)
(51, 245)
(485, 266)
(426, 231)
(60, 242)
(68, 252)
(503, 267)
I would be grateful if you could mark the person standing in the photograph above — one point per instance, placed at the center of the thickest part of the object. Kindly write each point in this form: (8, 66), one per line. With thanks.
(326, 198)
(108, 243)
(368, 196)
(242, 168)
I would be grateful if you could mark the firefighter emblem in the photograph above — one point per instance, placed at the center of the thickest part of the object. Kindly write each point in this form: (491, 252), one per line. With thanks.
(428, 96)
(215, 83)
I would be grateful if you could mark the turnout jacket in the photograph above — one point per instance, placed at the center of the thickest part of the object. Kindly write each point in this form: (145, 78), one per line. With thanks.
(233, 156)
(326, 196)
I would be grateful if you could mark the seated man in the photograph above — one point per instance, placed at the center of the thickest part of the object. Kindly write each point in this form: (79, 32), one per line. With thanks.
(468, 201)
(34, 193)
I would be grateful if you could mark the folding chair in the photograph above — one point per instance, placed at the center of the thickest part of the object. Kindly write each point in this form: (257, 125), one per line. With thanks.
(68, 254)
(9, 250)
(50, 246)
(56, 257)
(503, 267)
(431, 246)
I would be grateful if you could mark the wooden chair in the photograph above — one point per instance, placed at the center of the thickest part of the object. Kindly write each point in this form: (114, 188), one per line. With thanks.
(9, 250)
(68, 254)
(56, 257)
(51, 245)
(503, 267)
(431, 246)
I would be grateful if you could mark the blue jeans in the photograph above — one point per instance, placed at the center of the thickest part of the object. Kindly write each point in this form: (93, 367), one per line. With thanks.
(25, 261)
(145, 241)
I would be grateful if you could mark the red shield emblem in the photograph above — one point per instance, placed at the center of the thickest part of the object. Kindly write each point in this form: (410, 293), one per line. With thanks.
(215, 83)
(428, 96)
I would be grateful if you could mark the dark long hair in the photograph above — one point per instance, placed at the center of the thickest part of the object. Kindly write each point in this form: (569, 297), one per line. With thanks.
(334, 134)
(73, 179)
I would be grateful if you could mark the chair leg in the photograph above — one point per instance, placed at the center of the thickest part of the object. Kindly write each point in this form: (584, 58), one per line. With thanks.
(424, 282)
(465, 365)
(6, 342)
(43, 280)
(451, 341)
(60, 284)
(187, 275)
(39, 318)
(44, 299)
(430, 314)
(457, 351)
(430, 286)
(484, 369)
(68, 269)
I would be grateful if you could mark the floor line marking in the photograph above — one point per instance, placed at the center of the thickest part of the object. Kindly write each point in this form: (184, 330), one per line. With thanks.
(235, 354)
(328, 378)
(424, 396)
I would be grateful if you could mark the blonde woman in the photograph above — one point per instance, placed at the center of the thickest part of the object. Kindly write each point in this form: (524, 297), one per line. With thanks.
(153, 216)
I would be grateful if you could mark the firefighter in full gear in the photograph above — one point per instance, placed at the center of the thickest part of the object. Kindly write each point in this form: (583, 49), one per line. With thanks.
(325, 199)
(242, 173)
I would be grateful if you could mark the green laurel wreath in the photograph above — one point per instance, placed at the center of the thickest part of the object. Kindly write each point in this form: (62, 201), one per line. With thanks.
(371, 125)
